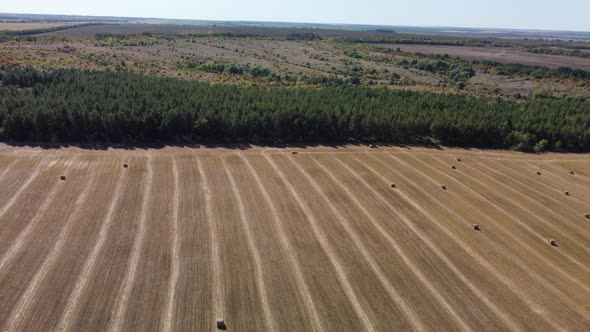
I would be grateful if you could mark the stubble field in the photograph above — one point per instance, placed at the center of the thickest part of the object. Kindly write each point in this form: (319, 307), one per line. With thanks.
(269, 240)
(28, 26)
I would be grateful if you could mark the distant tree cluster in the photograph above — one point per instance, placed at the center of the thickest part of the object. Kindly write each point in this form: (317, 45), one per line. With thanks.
(385, 31)
(456, 72)
(533, 71)
(70, 105)
(120, 40)
(219, 34)
(303, 36)
(108, 35)
(123, 38)
(221, 67)
(353, 53)
(424, 40)
(558, 51)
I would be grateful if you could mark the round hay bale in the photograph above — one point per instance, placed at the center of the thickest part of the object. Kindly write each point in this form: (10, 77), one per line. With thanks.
(476, 227)
(567, 193)
(444, 187)
(393, 185)
(372, 146)
(459, 160)
(588, 216)
(63, 177)
(572, 172)
(125, 166)
(538, 173)
(454, 167)
(221, 325)
(294, 152)
(553, 242)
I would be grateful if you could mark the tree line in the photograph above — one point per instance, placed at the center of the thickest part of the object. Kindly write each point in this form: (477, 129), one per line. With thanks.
(559, 51)
(533, 71)
(81, 106)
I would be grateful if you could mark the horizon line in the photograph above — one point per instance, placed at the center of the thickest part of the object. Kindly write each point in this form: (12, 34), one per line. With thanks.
(310, 23)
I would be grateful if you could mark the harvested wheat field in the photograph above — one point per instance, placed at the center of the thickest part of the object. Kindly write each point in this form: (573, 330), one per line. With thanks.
(264, 239)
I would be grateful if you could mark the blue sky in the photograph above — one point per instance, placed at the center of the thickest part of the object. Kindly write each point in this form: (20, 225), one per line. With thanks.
(528, 14)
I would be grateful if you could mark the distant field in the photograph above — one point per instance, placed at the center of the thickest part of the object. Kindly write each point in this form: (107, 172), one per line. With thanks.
(502, 55)
(290, 60)
(268, 240)
(90, 32)
(28, 26)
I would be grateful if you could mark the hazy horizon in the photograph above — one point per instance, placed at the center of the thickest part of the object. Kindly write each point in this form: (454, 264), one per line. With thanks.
(502, 14)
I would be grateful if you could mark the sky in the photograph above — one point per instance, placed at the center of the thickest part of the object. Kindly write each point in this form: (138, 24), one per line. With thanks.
(523, 14)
